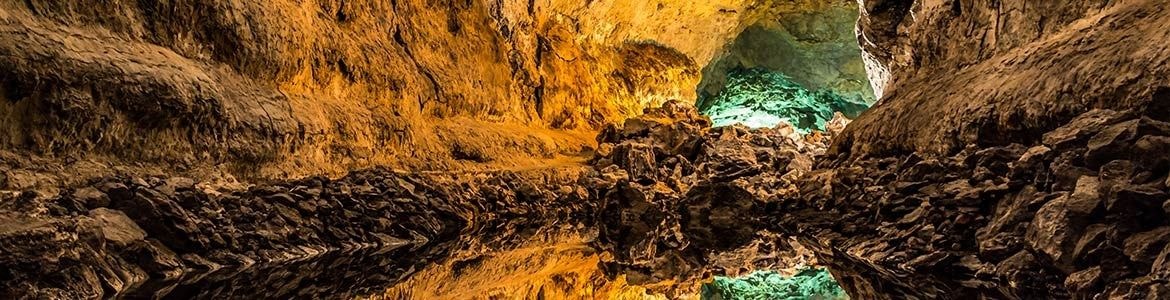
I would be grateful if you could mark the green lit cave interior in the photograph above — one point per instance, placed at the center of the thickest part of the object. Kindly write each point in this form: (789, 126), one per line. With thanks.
(798, 69)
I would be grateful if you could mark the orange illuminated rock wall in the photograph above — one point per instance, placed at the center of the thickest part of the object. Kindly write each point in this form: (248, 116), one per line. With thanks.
(284, 88)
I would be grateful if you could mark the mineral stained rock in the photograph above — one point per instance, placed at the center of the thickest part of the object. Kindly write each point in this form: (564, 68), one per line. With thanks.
(807, 284)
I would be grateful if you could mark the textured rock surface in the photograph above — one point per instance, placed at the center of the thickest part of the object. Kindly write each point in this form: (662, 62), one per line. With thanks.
(991, 73)
(1019, 150)
(688, 201)
(280, 89)
(1042, 220)
(799, 62)
(167, 236)
(670, 203)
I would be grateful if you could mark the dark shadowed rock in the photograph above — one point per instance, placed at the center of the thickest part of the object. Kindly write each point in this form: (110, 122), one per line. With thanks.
(1144, 247)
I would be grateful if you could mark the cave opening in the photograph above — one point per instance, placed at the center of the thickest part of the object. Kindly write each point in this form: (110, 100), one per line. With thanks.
(799, 67)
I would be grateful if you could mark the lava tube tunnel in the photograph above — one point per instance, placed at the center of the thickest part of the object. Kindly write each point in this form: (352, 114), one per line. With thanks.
(598, 149)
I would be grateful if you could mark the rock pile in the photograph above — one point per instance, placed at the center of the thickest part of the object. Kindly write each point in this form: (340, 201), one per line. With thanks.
(1081, 213)
(107, 238)
(684, 202)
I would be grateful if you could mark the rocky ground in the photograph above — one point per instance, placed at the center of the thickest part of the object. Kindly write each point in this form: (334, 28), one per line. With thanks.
(177, 237)
(689, 198)
(1081, 213)
(114, 236)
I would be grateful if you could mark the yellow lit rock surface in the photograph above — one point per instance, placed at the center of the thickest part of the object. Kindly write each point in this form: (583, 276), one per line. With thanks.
(564, 267)
(277, 89)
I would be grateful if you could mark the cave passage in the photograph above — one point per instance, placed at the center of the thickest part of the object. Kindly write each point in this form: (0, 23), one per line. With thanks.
(799, 68)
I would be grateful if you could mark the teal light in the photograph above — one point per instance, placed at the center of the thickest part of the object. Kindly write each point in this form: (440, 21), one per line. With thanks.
(811, 284)
(760, 98)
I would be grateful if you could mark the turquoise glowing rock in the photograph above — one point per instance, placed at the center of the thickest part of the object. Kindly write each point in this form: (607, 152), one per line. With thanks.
(760, 98)
(812, 284)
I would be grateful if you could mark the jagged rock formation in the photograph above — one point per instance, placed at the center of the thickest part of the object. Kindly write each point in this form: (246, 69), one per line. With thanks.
(1079, 214)
(970, 72)
(123, 237)
(774, 67)
(656, 196)
(683, 202)
(807, 284)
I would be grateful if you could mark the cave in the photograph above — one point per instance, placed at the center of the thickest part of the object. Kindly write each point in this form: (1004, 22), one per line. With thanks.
(799, 66)
(603, 149)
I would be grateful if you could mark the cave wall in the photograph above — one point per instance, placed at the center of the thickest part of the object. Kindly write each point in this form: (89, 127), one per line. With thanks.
(288, 88)
(955, 73)
(998, 159)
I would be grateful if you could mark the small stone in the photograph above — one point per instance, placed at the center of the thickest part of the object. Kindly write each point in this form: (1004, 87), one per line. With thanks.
(307, 206)
(1080, 127)
(91, 197)
(636, 127)
(1162, 263)
(1151, 151)
(139, 181)
(1117, 170)
(116, 227)
(157, 260)
(281, 198)
(1054, 232)
(1085, 198)
(636, 159)
(1114, 141)
(1144, 247)
(1132, 199)
(1083, 280)
(1091, 241)
(605, 149)
(1035, 153)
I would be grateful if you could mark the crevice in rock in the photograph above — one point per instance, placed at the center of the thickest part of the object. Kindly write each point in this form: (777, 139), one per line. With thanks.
(436, 89)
